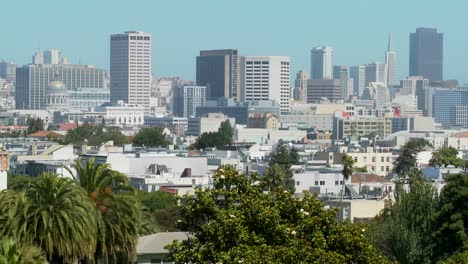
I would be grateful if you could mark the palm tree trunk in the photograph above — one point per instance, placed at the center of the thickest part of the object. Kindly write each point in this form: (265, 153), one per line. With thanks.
(340, 216)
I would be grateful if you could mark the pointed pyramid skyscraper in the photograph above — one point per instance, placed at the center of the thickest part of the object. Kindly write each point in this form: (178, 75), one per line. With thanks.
(390, 60)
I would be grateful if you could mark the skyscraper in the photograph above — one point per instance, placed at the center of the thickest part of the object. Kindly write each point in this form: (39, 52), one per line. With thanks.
(320, 89)
(340, 72)
(426, 54)
(8, 71)
(321, 63)
(300, 87)
(266, 78)
(376, 72)
(390, 60)
(130, 68)
(52, 56)
(187, 99)
(358, 74)
(218, 70)
(32, 81)
(38, 58)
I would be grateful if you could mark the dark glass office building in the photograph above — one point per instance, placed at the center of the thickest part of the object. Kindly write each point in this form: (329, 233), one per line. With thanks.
(218, 71)
(426, 54)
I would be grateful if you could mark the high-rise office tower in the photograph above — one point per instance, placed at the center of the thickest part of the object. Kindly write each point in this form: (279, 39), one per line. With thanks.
(8, 71)
(130, 68)
(390, 60)
(266, 78)
(300, 87)
(218, 70)
(32, 81)
(376, 72)
(451, 106)
(409, 85)
(52, 56)
(340, 72)
(321, 63)
(323, 89)
(38, 58)
(426, 54)
(186, 100)
(358, 74)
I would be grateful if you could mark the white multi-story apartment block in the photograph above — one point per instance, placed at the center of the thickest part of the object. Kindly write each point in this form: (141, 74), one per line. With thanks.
(321, 63)
(130, 68)
(266, 78)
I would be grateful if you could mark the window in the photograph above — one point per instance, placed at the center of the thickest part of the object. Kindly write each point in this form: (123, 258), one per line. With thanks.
(381, 168)
(336, 182)
(316, 182)
(382, 159)
(298, 182)
(322, 182)
(355, 159)
(388, 159)
(373, 159)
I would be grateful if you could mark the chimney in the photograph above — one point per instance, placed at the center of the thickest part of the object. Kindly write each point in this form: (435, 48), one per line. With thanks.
(34, 149)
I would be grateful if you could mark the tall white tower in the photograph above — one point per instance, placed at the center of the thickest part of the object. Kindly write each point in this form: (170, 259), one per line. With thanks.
(130, 68)
(321, 63)
(390, 60)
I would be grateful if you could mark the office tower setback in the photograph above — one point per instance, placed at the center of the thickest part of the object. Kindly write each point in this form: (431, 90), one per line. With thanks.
(426, 54)
(323, 89)
(340, 72)
(218, 70)
(376, 72)
(266, 78)
(32, 81)
(321, 63)
(390, 60)
(300, 87)
(130, 68)
(187, 99)
(358, 74)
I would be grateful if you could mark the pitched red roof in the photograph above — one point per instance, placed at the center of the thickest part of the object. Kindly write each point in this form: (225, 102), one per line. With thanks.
(461, 134)
(368, 177)
(67, 126)
(44, 134)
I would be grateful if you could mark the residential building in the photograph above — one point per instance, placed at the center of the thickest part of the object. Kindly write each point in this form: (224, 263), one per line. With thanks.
(266, 78)
(321, 63)
(218, 71)
(4, 168)
(323, 182)
(357, 126)
(186, 99)
(372, 185)
(130, 68)
(378, 162)
(32, 81)
(320, 89)
(209, 123)
(376, 72)
(268, 121)
(358, 74)
(390, 61)
(427, 54)
(300, 87)
(152, 248)
(340, 72)
(262, 135)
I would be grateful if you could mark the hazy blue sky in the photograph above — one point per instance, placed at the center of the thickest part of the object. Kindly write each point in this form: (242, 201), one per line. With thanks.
(356, 29)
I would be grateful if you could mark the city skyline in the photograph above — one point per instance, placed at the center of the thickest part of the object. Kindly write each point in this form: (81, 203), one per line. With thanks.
(174, 55)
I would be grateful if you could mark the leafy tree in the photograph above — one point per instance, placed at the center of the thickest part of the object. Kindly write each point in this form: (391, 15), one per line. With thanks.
(347, 162)
(151, 137)
(237, 222)
(166, 218)
(155, 201)
(360, 169)
(409, 225)
(458, 258)
(35, 125)
(220, 138)
(279, 173)
(452, 217)
(444, 157)
(119, 218)
(95, 135)
(12, 253)
(55, 215)
(407, 159)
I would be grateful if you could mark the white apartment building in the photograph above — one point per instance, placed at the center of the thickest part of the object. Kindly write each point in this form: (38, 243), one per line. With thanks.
(130, 68)
(266, 78)
(321, 63)
(320, 182)
(380, 163)
(125, 115)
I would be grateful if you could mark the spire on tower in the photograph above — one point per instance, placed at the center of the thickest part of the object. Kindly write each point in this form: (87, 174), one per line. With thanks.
(390, 42)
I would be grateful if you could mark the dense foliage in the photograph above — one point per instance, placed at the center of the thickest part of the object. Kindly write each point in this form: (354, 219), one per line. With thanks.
(444, 157)
(151, 137)
(11, 252)
(279, 173)
(222, 137)
(407, 159)
(94, 135)
(34, 125)
(237, 222)
(161, 209)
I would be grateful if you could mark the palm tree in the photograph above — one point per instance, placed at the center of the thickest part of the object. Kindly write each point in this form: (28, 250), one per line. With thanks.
(55, 215)
(12, 253)
(347, 171)
(115, 199)
(7, 201)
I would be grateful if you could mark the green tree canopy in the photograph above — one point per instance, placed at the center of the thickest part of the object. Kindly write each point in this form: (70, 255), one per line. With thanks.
(446, 156)
(407, 159)
(151, 137)
(237, 222)
(95, 135)
(452, 217)
(34, 125)
(222, 137)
